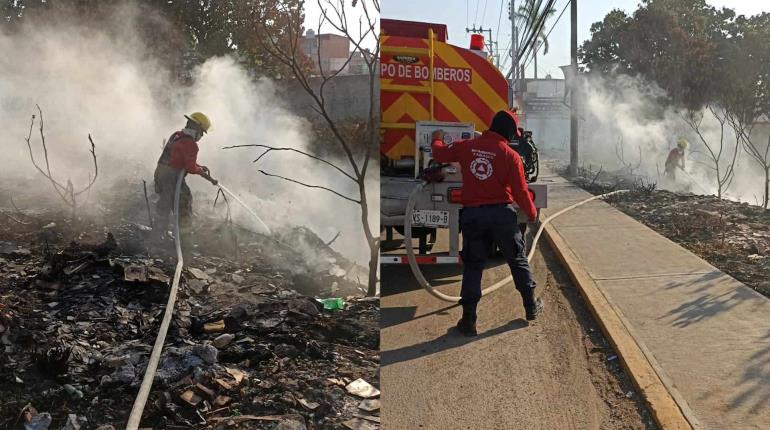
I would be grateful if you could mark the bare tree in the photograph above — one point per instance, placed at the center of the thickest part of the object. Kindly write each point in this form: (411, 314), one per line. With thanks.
(67, 193)
(720, 159)
(757, 151)
(286, 48)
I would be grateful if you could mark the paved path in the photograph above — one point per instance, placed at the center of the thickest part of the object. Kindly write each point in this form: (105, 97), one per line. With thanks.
(706, 334)
(552, 374)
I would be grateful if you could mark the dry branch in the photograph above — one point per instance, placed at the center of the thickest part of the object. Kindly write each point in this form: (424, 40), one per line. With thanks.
(66, 192)
(269, 148)
(310, 186)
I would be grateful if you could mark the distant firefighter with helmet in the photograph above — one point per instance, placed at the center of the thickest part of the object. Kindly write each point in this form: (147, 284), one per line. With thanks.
(180, 154)
(676, 159)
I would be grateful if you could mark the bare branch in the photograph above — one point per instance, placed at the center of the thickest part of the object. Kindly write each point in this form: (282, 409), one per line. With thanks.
(66, 193)
(311, 186)
(96, 168)
(56, 186)
(274, 148)
(14, 219)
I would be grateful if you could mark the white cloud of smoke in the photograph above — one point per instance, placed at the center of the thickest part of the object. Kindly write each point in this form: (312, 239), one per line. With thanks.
(624, 117)
(105, 83)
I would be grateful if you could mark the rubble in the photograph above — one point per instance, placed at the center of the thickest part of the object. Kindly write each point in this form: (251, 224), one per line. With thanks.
(250, 345)
(732, 236)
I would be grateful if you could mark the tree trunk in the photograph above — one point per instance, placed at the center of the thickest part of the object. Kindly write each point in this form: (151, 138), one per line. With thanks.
(374, 260)
(767, 187)
(719, 182)
(374, 255)
(535, 65)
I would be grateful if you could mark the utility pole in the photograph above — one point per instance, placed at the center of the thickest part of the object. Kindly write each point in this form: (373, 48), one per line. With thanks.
(514, 47)
(573, 123)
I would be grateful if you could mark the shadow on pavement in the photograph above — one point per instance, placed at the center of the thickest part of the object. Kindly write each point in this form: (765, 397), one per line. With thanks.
(755, 391)
(707, 304)
(395, 316)
(451, 339)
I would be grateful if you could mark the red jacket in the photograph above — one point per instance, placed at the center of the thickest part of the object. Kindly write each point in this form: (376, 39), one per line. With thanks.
(675, 158)
(181, 153)
(492, 171)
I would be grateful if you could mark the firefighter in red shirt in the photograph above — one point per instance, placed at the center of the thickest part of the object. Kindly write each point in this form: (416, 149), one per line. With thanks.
(180, 154)
(493, 178)
(675, 159)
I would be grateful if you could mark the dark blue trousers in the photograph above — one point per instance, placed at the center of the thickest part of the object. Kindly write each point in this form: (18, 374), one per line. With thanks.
(483, 227)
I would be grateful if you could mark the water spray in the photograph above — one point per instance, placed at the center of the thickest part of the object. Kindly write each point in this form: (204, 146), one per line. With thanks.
(254, 214)
(454, 299)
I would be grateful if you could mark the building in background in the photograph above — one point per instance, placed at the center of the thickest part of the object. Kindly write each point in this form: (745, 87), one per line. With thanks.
(334, 52)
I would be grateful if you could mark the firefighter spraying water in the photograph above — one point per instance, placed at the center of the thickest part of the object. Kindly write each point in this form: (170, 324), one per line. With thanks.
(676, 160)
(180, 154)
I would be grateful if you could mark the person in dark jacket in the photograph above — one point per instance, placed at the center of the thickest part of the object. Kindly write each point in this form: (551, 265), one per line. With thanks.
(493, 178)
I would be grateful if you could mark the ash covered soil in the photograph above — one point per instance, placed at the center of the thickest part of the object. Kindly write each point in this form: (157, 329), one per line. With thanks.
(250, 346)
(734, 237)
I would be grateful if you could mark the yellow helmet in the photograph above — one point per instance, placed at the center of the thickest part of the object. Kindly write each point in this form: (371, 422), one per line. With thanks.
(682, 143)
(200, 119)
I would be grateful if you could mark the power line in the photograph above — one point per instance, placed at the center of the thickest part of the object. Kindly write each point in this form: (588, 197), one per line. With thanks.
(499, 18)
(535, 29)
(467, 15)
(484, 13)
(476, 15)
(548, 34)
(507, 57)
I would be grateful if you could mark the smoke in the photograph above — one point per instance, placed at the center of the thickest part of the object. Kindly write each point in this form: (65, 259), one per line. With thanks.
(108, 82)
(626, 124)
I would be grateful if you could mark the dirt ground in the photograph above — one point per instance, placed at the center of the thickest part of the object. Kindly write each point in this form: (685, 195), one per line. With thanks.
(556, 373)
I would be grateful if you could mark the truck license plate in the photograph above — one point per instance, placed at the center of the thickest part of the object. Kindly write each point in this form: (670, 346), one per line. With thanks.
(430, 218)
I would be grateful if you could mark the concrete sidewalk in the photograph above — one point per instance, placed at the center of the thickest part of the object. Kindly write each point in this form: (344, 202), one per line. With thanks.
(706, 335)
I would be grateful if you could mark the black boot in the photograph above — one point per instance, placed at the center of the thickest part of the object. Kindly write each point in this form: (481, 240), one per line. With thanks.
(533, 309)
(467, 324)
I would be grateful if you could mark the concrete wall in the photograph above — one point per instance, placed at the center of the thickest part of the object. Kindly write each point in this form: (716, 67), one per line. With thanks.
(347, 97)
(546, 115)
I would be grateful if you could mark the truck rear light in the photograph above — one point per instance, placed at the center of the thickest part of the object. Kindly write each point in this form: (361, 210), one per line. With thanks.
(437, 197)
(477, 42)
(455, 195)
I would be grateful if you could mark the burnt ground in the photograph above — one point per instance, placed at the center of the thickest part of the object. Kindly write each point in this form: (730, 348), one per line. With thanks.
(733, 237)
(82, 298)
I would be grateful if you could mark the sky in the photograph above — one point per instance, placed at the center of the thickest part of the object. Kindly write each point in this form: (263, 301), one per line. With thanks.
(353, 15)
(459, 14)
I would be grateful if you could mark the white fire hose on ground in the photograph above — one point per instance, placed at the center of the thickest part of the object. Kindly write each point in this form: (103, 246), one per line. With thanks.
(454, 299)
(152, 365)
(135, 416)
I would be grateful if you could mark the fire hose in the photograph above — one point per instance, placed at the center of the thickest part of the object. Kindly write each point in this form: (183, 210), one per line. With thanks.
(135, 416)
(152, 365)
(416, 268)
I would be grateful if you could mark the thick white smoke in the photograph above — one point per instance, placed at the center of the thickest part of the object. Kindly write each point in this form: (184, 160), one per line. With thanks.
(105, 83)
(625, 117)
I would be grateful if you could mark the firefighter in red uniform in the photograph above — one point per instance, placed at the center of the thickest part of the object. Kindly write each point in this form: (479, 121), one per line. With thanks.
(180, 155)
(493, 178)
(675, 159)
